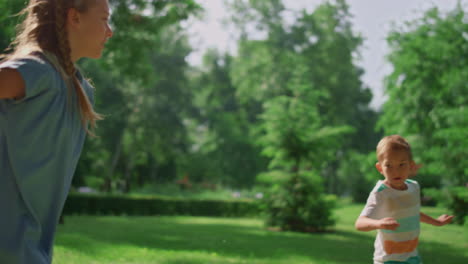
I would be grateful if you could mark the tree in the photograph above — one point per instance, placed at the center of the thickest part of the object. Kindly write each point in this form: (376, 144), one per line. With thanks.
(329, 48)
(9, 20)
(229, 152)
(297, 142)
(427, 93)
(142, 89)
(326, 38)
(428, 96)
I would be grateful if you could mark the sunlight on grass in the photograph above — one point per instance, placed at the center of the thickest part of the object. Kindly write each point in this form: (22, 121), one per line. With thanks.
(202, 240)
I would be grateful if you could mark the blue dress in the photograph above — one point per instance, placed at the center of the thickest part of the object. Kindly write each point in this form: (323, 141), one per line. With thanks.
(41, 138)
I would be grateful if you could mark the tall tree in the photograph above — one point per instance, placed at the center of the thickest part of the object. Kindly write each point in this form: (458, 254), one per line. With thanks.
(9, 19)
(324, 38)
(427, 99)
(142, 89)
(226, 146)
(428, 93)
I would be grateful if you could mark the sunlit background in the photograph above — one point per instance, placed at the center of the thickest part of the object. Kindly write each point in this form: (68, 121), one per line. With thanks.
(229, 121)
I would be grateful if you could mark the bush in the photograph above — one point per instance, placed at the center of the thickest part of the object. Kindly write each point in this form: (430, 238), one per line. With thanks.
(454, 198)
(300, 205)
(432, 197)
(458, 203)
(100, 204)
(357, 175)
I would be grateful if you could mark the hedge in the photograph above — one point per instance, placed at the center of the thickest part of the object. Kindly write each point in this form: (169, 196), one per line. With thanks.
(101, 204)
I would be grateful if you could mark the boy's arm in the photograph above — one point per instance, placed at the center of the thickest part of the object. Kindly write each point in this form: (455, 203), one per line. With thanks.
(440, 221)
(364, 223)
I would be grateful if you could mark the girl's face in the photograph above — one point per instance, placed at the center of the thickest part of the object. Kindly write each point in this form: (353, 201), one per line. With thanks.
(89, 30)
(396, 167)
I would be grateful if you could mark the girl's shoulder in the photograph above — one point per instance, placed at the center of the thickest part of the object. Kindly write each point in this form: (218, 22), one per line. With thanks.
(31, 66)
(37, 74)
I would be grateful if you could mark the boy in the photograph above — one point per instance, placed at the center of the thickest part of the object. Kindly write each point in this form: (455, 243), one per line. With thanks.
(393, 206)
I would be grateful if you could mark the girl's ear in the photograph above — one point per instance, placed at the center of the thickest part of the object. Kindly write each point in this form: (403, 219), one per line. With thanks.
(378, 167)
(73, 17)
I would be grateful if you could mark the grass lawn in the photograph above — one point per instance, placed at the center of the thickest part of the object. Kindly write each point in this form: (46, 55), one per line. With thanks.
(203, 240)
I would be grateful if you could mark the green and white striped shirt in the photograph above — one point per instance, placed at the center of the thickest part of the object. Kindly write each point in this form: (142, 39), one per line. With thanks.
(400, 245)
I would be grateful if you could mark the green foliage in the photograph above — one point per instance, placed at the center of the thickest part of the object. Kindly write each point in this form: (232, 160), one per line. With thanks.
(142, 89)
(301, 86)
(428, 93)
(138, 26)
(454, 198)
(198, 191)
(458, 203)
(294, 139)
(300, 205)
(9, 19)
(357, 175)
(302, 90)
(432, 196)
(272, 177)
(293, 129)
(427, 101)
(97, 204)
(223, 152)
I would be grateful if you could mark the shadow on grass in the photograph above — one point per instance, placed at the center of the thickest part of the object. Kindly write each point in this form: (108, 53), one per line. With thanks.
(230, 240)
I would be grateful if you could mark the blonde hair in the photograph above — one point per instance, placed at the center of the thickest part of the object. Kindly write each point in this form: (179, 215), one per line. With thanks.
(395, 143)
(44, 30)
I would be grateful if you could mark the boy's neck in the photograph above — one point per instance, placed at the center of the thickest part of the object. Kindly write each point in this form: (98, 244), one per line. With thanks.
(399, 188)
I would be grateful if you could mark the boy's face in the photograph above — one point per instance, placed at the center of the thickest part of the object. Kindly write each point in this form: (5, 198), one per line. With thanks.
(396, 166)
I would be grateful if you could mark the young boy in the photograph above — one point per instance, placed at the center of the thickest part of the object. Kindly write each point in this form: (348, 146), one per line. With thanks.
(393, 206)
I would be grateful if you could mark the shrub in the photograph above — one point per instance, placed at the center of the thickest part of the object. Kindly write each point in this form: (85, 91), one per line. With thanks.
(101, 204)
(432, 197)
(300, 205)
(454, 198)
(458, 203)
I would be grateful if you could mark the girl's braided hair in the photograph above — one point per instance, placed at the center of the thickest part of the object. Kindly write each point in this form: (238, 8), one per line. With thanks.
(44, 30)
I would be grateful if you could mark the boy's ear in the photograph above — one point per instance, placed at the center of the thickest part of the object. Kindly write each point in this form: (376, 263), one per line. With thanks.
(378, 167)
(414, 168)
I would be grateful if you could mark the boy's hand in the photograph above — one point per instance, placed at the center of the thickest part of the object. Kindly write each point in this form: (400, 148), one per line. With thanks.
(444, 219)
(388, 223)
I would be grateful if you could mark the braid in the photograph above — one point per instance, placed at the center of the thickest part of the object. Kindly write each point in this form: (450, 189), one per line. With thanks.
(62, 39)
(64, 55)
(44, 29)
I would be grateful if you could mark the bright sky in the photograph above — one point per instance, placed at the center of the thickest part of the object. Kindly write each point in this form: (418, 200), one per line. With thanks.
(372, 18)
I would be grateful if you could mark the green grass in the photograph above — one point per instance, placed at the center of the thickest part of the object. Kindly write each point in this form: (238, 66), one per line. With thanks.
(197, 191)
(202, 240)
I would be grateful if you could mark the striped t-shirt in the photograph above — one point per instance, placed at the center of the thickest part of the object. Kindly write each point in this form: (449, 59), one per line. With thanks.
(399, 245)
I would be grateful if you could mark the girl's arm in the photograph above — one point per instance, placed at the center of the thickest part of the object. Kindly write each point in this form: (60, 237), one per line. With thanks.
(11, 84)
(364, 223)
(440, 221)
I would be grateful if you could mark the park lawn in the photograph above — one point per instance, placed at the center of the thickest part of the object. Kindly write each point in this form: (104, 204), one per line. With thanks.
(204, 240)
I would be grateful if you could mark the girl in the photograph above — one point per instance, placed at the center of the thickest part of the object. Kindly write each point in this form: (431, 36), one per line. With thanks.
(45, 109)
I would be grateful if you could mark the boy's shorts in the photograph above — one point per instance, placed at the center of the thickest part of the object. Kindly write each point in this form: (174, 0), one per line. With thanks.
(412, 260)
